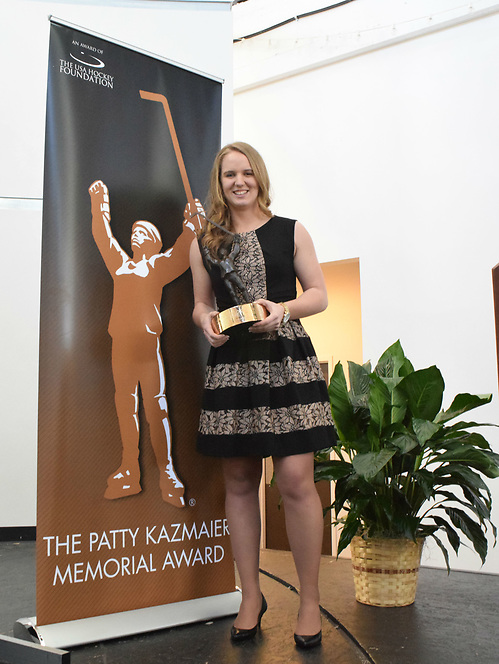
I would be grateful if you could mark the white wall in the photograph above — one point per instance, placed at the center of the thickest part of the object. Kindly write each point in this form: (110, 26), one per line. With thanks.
(195, 34)
(391, 156)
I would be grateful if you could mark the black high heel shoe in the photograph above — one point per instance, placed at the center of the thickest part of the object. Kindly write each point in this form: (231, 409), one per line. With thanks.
(237, 635)
(306, 642)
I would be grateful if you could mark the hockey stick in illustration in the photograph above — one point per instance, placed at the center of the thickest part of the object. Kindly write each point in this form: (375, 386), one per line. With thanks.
(154, 96)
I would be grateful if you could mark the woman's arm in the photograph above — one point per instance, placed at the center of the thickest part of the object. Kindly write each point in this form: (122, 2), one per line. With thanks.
(204, 299)
(314, 297)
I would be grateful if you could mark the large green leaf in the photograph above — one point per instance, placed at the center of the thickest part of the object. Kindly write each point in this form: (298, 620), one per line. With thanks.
(473, 502)
(399, 402)
(452, 535)
(332, 470)
(406, 525)
(359, 378)
(448, 436)
(461, 426)
(474, 438)
(444, 551)
(470, 528)
(379, 405)
(481, 506)
(427, 529)
(323, 455)
(482, 460)
(341, 407)
(424, 429)
(457, 472)
(377, 512)
(352, 524)
(460, 476)
(393, 362)
(426, 481)
(461, 404)
(369, 465)
(405, 442)
(351, 489)
(348, 531)
(341, 495)
(424, 390)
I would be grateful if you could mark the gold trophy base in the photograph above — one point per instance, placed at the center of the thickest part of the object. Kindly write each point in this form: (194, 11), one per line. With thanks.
(241, 315)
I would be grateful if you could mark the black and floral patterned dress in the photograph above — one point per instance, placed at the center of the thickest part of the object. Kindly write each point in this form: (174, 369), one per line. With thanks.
(265, 394)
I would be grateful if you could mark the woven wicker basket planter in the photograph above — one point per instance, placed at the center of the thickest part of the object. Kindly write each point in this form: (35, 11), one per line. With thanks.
(385, 571)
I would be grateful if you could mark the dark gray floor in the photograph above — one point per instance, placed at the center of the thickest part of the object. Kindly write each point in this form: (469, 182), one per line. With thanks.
(453, 621)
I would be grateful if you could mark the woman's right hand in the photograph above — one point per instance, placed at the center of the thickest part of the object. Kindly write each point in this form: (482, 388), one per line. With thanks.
(204, 299)
(212, 337)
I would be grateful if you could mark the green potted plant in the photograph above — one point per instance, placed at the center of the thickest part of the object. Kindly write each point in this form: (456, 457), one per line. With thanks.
(403, 473)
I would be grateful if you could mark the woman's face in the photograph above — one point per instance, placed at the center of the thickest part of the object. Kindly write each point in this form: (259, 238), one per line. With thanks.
(239, 184)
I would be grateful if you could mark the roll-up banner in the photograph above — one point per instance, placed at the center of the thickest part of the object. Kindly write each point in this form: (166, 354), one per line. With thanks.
(129, 515)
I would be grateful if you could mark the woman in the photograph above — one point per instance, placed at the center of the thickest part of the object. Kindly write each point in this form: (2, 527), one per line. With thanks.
(264, 391)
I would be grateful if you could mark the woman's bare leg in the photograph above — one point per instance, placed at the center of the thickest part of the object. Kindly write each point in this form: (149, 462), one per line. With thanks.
(304, 526)
(242, 480)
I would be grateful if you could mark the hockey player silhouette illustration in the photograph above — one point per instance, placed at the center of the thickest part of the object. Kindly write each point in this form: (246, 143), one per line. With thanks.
(135, 327)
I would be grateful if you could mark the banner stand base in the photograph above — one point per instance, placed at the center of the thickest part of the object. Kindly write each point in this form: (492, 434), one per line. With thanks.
(17, 651)
(127, 623)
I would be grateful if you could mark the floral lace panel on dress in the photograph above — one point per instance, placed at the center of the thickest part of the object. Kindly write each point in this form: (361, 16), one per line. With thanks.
(261, 372)
(250, 265)
(265, 420)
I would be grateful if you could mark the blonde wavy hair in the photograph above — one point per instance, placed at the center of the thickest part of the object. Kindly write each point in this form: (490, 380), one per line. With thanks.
(218, 210)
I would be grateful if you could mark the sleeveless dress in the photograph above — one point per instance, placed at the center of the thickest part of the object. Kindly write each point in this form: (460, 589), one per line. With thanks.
(264, 394)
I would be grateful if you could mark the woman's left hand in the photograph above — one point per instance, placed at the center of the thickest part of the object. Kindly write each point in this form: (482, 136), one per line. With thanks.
(273, 320)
